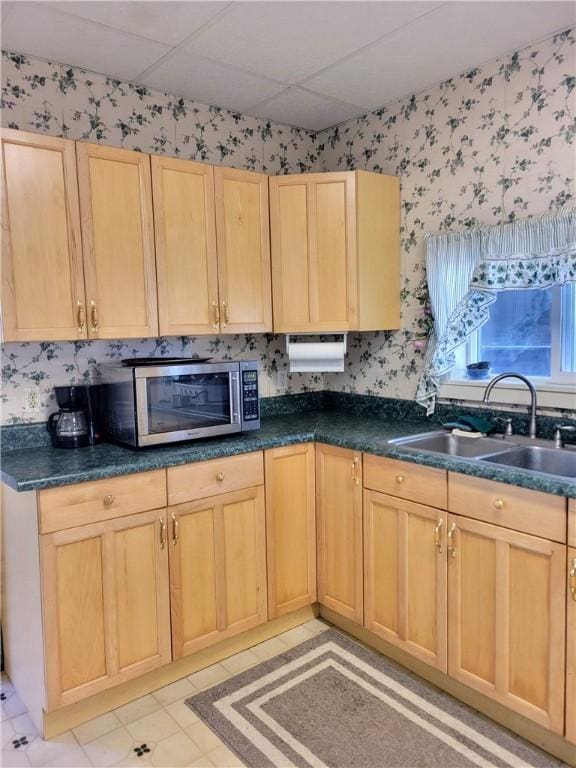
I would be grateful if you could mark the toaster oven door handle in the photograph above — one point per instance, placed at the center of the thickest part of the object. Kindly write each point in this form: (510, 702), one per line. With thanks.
(235, 397)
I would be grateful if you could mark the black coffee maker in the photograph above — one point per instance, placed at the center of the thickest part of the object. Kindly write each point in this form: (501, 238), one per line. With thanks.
(75, 424)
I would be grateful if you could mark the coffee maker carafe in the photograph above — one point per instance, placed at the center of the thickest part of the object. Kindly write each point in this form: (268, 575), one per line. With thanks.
(74, 425)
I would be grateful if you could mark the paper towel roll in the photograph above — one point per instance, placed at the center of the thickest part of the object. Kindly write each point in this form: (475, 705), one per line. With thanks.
(316, 356)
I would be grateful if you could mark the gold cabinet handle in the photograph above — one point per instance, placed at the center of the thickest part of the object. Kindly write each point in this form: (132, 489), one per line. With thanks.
(94, 315)
(498, 504)
(216, 313)
(108, 500)
(451, 545)
(354, 471)
(438, 535)
(226, 314)
(162, 533)
(400, 479)
(81, 316)
(175, 527)
(220, 477)
(572, 579)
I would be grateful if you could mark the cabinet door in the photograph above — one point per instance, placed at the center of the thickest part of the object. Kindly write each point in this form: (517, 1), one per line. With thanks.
(244, 536)
(339, 524)
(196, 575)
(106, 605)
(42, 278)
(313, 220)
(405, 576)
(506, 617)
(290, 528)
(118, 240)
(571, 649)
(185, 232)
(217, 568)
(243, 251)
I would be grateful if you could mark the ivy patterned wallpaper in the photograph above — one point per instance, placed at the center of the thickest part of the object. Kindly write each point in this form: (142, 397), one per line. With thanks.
(492, 144)
(59, 100)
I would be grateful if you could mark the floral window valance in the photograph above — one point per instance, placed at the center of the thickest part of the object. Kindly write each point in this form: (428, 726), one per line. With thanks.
(465, 271)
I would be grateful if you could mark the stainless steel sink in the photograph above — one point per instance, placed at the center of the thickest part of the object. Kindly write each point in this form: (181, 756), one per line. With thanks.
(549, 461)
(453, 445)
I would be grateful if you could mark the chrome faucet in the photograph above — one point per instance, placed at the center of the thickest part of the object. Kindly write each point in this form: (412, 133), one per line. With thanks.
(511, 375)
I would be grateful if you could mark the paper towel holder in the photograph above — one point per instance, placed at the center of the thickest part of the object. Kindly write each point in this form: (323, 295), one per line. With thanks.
(316, 356)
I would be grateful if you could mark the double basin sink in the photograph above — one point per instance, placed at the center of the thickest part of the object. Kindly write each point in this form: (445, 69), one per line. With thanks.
(512, 452)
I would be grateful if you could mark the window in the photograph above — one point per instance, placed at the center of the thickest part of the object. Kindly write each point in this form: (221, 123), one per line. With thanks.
(529, 331)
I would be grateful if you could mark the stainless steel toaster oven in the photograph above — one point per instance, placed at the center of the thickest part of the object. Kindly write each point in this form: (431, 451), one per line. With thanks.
(150, 401)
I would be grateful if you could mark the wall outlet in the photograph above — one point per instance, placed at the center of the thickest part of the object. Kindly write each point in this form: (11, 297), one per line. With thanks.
(282, 380)
(31, 400)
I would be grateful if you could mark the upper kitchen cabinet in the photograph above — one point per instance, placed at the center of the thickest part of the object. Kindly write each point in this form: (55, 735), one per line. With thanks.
(42, 280)
(118, 242)
(243, 239)
(185, 231)
(335, 251)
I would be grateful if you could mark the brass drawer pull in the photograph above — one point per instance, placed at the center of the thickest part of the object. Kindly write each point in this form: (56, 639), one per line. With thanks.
(94, 315)
(400, 479)
(216, 312)
(498, 504)
(175, 527)
(572, 582)
(81, 316)
(162, 533)
(220, 477)
(438, 535)
(108, 500)
(354, 471)
(226, 314)
(451, 545)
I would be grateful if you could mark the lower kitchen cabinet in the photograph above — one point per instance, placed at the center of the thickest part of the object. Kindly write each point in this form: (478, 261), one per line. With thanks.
(571, 649)
(290, 528)
(405, 576)
(217, 568)
(339, 534)
(105, 604)
(506, 617)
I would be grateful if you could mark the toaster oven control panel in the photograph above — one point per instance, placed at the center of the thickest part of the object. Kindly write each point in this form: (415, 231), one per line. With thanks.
(250, 403)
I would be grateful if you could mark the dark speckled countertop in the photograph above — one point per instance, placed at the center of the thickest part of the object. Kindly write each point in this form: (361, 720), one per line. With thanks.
(36, 467)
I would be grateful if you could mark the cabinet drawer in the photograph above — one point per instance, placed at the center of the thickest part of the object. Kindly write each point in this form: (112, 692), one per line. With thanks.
(572, 522)
(408, 481)
(86, 503)
(208, 478)
(521, 509)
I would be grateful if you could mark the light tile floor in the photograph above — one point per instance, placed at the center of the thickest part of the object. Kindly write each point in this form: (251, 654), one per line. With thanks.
(156, 730)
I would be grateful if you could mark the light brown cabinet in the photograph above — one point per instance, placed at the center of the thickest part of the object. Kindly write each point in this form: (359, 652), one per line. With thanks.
(42, 278)
(506, 617)
(571, 648)
(243, 237)
(290, 528)
(405, 576)
(186, 259)
(118, 242)
(217, 568)
(105, 604)
(339, 530)
(335, 251)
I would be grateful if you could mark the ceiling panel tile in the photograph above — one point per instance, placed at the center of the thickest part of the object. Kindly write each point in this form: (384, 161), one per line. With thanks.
(39, 31)
(297, 106)
(452, 38)
(167, 22)
(209, 82)
(289, 41)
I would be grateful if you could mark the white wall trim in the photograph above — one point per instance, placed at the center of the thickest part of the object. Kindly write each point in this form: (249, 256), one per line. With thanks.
(511, 392)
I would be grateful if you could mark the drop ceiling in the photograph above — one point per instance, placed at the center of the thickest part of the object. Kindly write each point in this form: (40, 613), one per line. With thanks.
(308, 64)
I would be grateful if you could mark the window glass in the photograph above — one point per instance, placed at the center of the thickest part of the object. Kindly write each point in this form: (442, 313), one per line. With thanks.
(568, 328)
(518, 335)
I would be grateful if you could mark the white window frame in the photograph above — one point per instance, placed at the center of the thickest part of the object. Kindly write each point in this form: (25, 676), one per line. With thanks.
(556, 391)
